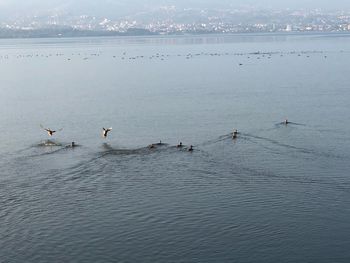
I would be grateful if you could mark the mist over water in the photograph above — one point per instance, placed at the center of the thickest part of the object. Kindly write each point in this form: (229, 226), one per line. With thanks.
(122, 8)
(275, 193)
(123, 5)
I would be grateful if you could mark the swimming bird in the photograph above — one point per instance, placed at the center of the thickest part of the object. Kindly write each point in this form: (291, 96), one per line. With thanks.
(191, 148)
(151, 146)
(71, 145)
(286, 122)
(105, 132)
(234, 134)
(179, 145)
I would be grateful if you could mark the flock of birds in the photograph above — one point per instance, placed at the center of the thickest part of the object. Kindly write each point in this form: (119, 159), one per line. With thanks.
(105, 132)
(159, 56)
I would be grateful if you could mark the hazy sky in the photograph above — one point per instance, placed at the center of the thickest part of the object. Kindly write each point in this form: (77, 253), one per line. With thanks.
(277, 3)
(122, 7)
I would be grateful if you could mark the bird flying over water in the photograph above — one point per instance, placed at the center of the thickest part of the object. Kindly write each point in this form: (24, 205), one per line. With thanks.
(105, 132)
(49, 131)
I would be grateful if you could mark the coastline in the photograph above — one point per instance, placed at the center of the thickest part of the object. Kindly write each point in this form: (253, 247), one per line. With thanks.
(139, 32)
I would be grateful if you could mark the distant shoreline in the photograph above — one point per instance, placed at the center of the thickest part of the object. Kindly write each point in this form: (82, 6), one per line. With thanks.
(70, 33)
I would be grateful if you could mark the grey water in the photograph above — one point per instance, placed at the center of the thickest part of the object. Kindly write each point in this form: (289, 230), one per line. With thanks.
(276, 193)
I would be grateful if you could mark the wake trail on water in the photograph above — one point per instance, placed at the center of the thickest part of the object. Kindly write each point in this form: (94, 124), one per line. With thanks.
(96, 161)
(117, 156)
(308, 151)
(281, 124)
(206, 162)
(265, 141)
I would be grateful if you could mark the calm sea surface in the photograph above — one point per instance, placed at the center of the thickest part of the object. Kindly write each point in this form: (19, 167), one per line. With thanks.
(277, 193)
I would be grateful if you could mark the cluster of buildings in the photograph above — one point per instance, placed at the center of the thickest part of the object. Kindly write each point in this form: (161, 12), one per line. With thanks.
(191, 21)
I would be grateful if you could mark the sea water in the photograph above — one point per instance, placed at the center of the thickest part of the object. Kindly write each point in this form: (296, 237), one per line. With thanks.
(276, 193)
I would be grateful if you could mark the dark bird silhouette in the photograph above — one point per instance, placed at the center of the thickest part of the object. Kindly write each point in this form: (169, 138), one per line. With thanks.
(49, 131)
(105, 132)
(234, 134)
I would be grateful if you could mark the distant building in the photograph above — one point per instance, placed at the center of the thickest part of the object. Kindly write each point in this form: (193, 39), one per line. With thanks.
(289, 28)
(273, 27)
